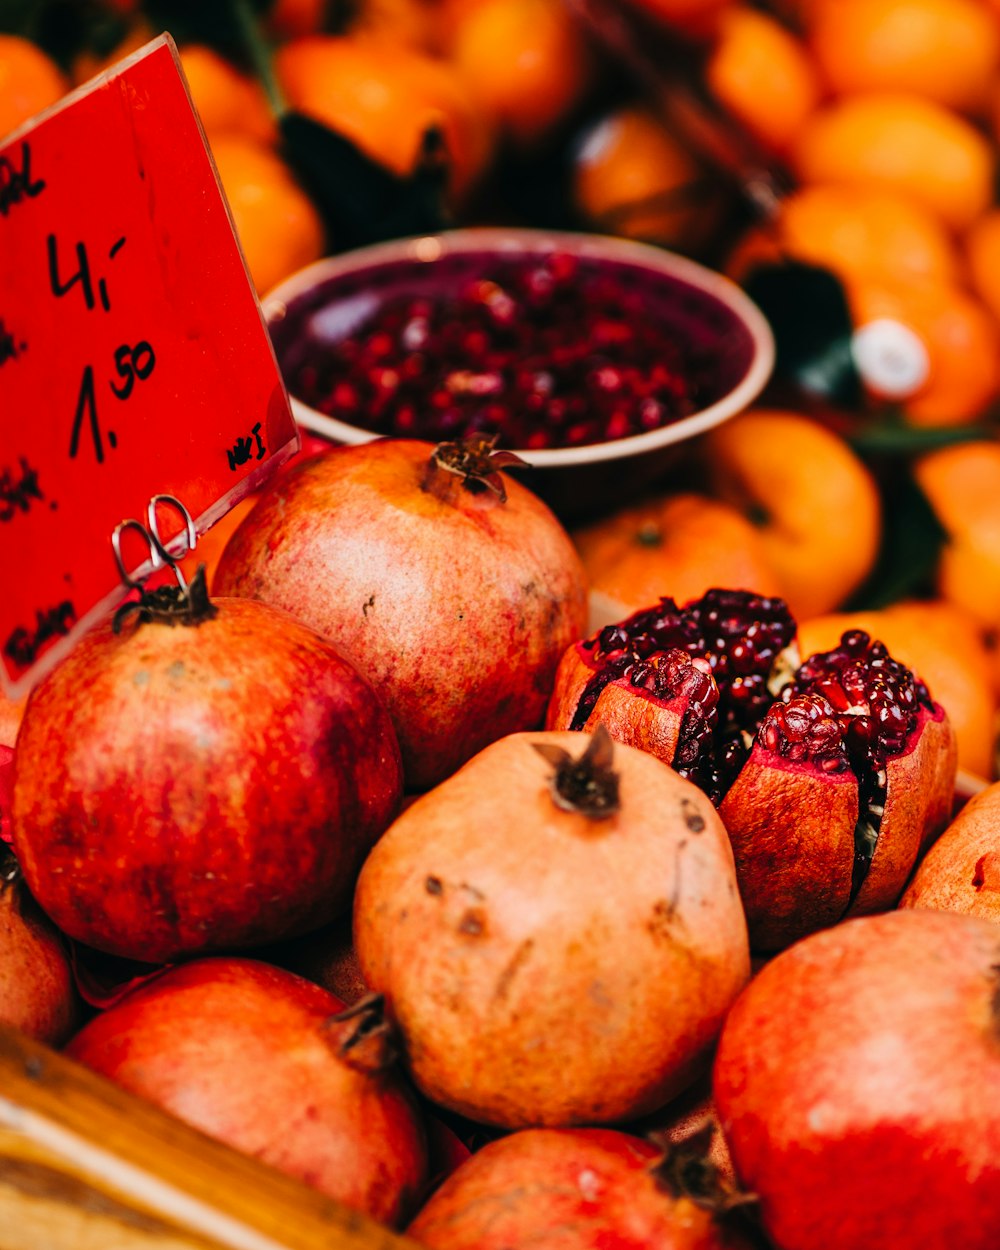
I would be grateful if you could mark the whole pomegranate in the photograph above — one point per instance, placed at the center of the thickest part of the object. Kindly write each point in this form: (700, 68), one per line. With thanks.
(830, 776)
(579, 1189)
(36, 986)
(557, 936)
(206, 780)
(273, 1066)
(961, 871)
(454, 590)
(857, 1080)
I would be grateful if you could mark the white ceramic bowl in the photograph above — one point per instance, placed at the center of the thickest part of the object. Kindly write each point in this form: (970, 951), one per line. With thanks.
(702, 309)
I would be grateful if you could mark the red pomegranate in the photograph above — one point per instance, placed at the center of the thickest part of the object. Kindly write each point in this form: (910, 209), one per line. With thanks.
(961, 871)
(858, 1083)
(273, 1066)
(36, 986)
(830, 776)
(557, 936)
(580, 1189)
(455, 590)
(197, 786)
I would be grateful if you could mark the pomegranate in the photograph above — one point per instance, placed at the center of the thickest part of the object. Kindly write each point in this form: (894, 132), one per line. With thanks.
(858, 1083)
(326, 957)
(193, 786)
(830, 776)
(455, 590)
(550, 350)
(273, 1066)
(36, 986)
(961, 871)
(580, 1189)
(557, 937)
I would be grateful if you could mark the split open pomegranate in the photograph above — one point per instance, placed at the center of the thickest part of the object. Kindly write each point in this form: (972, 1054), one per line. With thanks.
(830, 776)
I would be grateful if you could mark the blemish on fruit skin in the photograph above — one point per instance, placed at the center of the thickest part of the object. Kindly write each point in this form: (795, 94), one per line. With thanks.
(141, 678)
(692, 817)
(369, 603)
(513, 966)
(433, 885)
(177, 670)
(473, 922)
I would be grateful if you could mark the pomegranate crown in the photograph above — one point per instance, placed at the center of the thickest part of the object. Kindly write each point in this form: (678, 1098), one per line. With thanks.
(473, 459)
(588, 784)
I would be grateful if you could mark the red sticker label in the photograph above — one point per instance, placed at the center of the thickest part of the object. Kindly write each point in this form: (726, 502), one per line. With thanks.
(134, 359)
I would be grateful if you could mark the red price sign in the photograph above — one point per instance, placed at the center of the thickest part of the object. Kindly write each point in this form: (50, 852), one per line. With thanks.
(134, 359)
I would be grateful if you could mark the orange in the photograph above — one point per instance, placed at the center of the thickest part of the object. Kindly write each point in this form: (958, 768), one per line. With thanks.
(29, 82)
(763, 76)
(814, 502)
(943, 645)
(904, 143)
(526, 63)
(962, 484)
(227, 101)
(384, 97)
(678, 545)
(959, 335)
(945, 50)
(632, 177)
(278, 227)
(856, 231)
(982, 252)
(413, 23)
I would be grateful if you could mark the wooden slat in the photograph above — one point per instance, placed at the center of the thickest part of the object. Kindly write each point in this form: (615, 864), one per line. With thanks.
(86, 1166)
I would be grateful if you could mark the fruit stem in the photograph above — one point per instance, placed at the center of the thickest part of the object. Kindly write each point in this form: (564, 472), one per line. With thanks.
(170, 605)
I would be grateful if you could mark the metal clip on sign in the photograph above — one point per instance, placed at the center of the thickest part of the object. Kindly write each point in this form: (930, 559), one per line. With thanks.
(159, 556)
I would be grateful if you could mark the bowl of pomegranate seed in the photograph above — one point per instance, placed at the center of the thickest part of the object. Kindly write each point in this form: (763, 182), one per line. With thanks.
(591, 357)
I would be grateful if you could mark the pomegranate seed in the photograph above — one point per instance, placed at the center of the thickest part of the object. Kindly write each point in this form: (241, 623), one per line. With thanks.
(524, 334)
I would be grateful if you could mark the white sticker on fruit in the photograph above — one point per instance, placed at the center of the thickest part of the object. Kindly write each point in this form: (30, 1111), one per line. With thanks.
(891, 359)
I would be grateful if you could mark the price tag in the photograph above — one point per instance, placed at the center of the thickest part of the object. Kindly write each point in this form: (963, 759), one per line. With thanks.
(134, 359)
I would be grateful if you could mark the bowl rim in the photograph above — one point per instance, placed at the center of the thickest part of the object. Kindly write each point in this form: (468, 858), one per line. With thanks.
(517, 240)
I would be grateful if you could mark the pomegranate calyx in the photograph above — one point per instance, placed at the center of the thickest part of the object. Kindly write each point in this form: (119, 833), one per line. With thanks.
(170, 605)
(588, 785)
(369, 1043)
(473, 459)
(685, 1170)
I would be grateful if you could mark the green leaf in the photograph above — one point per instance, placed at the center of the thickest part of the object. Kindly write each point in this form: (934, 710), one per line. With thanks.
(912, 538)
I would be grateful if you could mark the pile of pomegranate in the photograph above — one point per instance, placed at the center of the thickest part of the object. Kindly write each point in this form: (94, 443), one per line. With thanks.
(519, 1006)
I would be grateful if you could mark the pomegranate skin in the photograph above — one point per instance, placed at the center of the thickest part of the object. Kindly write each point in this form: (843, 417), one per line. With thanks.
(961, 871)
(189, 788)
(455, 605)
(249, 1054)
(565, 1189)
(857, 1080)
(36, 985)
(545, 968)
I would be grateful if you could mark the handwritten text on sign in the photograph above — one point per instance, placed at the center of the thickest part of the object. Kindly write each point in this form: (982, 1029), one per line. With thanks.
(133, 357)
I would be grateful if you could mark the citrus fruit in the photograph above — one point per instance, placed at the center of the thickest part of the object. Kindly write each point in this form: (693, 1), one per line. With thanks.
(902, 142)
(945, 50)
(29, 82)
(814, 502)
(279, 229)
